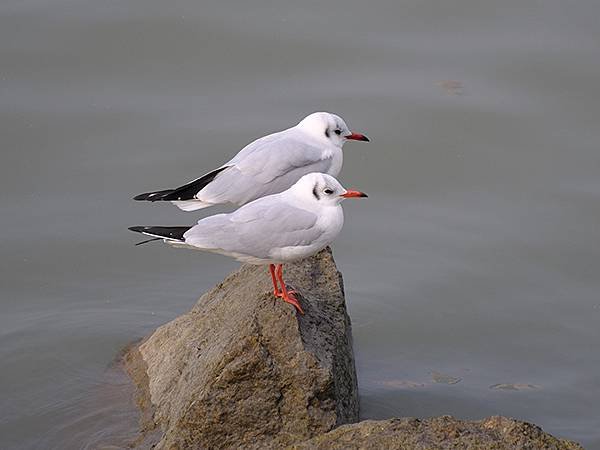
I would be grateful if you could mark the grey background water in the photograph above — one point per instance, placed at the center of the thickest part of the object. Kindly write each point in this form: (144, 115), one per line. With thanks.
(476, 255)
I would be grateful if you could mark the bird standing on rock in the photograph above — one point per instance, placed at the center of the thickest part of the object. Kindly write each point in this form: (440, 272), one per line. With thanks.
(268, 165)
(273, 230)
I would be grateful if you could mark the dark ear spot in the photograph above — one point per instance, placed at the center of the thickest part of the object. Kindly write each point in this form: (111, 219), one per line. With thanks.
(327, 132)
(316, 193)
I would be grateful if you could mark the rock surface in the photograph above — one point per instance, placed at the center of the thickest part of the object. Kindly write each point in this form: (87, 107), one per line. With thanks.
(243, 370)
(437, 433)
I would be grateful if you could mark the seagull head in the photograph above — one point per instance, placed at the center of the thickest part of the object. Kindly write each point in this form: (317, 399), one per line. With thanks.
(329, 128)
(323, 189)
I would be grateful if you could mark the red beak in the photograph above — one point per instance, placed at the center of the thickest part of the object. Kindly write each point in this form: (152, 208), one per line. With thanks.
(357, 137)
(350, 194)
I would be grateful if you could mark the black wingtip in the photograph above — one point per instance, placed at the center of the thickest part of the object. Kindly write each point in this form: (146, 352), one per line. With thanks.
(185, 192)
(168, 233)
(189, 191)
(153, 196)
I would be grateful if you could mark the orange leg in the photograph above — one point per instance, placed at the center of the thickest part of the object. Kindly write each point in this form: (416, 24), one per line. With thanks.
(287, 296)
(276, 291)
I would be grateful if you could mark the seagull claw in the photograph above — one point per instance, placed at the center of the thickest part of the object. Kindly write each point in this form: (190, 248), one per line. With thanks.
(292, 300)
(284, 294)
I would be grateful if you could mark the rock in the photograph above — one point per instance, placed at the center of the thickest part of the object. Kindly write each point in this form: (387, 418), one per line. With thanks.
(437, 433)
(242, 369)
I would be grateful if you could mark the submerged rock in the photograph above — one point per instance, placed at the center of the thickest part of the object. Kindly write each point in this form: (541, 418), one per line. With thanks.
(242, 369)
(443, 378)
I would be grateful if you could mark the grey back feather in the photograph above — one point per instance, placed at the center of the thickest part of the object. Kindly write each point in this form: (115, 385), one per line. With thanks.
(266, 166)
(256, 229)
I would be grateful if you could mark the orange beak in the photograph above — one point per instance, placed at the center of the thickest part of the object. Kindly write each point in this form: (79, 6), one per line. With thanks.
(351, 194)
(357, 137)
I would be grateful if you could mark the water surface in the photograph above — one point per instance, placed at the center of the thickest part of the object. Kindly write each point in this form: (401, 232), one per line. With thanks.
(475, 257)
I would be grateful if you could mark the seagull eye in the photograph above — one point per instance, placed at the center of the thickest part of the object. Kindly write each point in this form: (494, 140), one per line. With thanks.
(328, 191)
(338, 132)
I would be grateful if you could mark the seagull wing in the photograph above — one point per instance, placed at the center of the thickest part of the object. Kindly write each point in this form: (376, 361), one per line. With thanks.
(266, 166)
(257, 230)
(273, 156)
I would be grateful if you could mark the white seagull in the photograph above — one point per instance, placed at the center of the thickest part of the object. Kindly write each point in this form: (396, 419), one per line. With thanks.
(273, 230)
(268, 165)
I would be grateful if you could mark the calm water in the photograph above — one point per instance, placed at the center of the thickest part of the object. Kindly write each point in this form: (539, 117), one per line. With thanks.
(476, 256)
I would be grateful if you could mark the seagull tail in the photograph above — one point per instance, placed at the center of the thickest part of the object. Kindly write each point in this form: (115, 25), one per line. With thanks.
(167, 234)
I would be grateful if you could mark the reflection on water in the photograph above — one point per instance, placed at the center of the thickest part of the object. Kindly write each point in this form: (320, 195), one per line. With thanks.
(475, 257)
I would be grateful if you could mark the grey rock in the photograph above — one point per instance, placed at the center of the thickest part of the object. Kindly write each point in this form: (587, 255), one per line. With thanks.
(493, 433)
(242, 369)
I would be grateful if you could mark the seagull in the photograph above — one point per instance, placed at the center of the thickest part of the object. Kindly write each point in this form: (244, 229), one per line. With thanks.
(272, 230)
(267, 166)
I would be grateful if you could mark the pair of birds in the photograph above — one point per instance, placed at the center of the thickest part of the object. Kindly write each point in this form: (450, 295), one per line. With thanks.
(289, 198)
